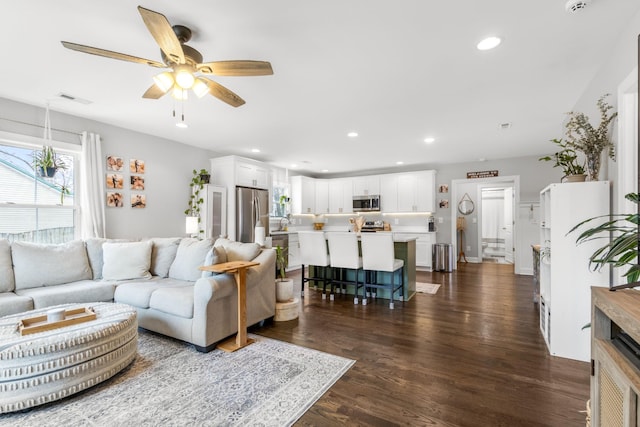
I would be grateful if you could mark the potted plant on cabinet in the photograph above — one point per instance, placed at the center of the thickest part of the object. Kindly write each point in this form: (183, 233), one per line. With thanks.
(284, 285)
(567, 159)
(47, 162)
(195, 199)
(591, 141)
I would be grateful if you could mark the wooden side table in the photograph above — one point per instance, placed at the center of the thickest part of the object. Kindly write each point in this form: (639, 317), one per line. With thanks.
(239, 270)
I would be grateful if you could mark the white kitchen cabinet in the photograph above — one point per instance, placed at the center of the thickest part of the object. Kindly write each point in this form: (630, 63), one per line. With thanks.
(426, 191)
(366, 185)
(565, 276)
(341, 195)
(407, 192)
(303, 195)
(424, 244)
(249, 174)
(294, 252)
(322, 196)
(389, 193)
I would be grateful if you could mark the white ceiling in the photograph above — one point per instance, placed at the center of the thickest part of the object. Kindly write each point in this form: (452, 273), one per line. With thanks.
(393, 71)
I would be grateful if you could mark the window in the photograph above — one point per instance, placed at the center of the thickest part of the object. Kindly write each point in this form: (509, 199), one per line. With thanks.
(32, 207)
(279, 194)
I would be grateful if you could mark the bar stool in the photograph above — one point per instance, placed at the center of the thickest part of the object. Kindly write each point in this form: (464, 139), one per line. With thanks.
(313, 253)
(378, 256)
(343, 254)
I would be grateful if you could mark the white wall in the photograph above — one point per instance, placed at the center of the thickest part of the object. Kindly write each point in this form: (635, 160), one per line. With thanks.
(168, 164)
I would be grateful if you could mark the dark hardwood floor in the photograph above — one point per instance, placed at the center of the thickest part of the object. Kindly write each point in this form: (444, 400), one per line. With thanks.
(470, 355)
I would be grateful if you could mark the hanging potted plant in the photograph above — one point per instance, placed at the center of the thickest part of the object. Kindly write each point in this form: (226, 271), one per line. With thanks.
(284, 285)
(591, 141)
(567, 160)
(196, 199)
(47, 162)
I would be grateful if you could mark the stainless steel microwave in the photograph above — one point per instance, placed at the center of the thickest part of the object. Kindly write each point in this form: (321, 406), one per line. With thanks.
(366, 203)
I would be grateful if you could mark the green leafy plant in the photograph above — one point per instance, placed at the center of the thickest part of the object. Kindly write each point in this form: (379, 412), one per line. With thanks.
(48, 159)
(620, 231)
(566, 158)
(281, 262)
(582, 136)
(195, 199)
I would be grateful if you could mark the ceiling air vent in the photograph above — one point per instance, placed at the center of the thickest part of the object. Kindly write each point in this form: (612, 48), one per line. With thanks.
(573, 6)
(73, 98)
(505, 126)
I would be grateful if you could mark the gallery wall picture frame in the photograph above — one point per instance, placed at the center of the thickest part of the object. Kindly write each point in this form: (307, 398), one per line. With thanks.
(137, 182)
(136, 166)
(114, 199)
(443, 188)
(114, 181)
(115, 163)
(443, 204)
(138, 201)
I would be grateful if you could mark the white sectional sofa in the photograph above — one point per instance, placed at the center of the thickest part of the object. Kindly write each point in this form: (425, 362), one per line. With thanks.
(159, 277)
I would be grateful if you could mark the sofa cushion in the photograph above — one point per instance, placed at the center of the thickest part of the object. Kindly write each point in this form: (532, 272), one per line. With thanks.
(216, 255)
(176, 301)
(94, 252)
(124, 261)
(191, 254)
(163, 252)
(11, 303)
(238, 251)
(7, 284)
(80, 292)
(36, 265)
(138, 294)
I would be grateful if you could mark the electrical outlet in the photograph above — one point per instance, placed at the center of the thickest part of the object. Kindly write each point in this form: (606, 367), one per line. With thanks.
(474, 220)
(468, 248)
(396, 221)
(440, 220)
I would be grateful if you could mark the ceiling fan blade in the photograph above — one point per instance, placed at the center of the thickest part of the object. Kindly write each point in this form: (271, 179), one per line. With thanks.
(111, 54)
(164, 35)
(154, 92)
(223, 94)
(236, 68)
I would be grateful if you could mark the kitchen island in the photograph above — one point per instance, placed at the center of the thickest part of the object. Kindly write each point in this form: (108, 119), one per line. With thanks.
(405, 249)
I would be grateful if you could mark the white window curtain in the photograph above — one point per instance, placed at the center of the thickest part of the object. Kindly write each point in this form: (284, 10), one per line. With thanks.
(92, 213)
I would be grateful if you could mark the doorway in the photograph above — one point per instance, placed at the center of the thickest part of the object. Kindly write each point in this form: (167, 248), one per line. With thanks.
(496, 230)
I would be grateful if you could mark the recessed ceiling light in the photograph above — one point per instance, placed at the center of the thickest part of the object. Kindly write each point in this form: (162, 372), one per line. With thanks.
(399, 163)
(489, 43)
(429, 140)
(482, 159)
(352, 134)
(182, 125)
(255, 150)
(324, 170)
(293, 165)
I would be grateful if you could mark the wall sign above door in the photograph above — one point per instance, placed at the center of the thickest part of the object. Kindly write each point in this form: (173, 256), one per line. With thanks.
(482, 174)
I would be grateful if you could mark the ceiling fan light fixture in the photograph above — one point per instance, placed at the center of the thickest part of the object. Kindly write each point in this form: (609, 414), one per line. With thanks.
(179, 93)
(164, 81)
(184, 77)
(200, 88)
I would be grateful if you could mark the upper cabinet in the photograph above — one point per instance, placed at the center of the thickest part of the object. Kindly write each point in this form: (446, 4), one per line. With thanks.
(303, 195)
(322, 196)
(234, 170)
(408, 192)
(341, 195)
(366, 185)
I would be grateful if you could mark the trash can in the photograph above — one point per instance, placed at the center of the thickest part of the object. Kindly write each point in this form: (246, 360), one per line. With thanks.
(442, 254)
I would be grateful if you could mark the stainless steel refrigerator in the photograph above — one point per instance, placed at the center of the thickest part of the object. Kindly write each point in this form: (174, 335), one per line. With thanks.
(252, 207)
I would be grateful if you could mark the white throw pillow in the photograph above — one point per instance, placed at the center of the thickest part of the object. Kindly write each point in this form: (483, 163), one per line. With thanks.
(216, 255)
(190, 256)
(123, 261)
(163, 253)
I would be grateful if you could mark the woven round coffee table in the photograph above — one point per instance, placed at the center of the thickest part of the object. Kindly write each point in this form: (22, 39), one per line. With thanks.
(46, 366)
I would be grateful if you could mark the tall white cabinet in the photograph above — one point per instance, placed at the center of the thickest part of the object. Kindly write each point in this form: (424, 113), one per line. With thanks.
(565, 276)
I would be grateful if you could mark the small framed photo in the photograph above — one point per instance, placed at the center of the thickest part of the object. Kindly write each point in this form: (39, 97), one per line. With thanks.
(138, 201)
(443, 188)
(114, 199)
(115, 181)
(136, 166)
(137, 182)
(115, 163)
(444, 203)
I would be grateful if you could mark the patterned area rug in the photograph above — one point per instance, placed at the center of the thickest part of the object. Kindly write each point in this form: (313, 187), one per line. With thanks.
(427, 288)
(269, 383)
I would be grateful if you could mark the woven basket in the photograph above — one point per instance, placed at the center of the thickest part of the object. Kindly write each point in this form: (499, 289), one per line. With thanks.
(461, 223)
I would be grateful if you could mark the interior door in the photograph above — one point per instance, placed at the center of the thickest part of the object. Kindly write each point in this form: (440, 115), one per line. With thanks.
(508, 224)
